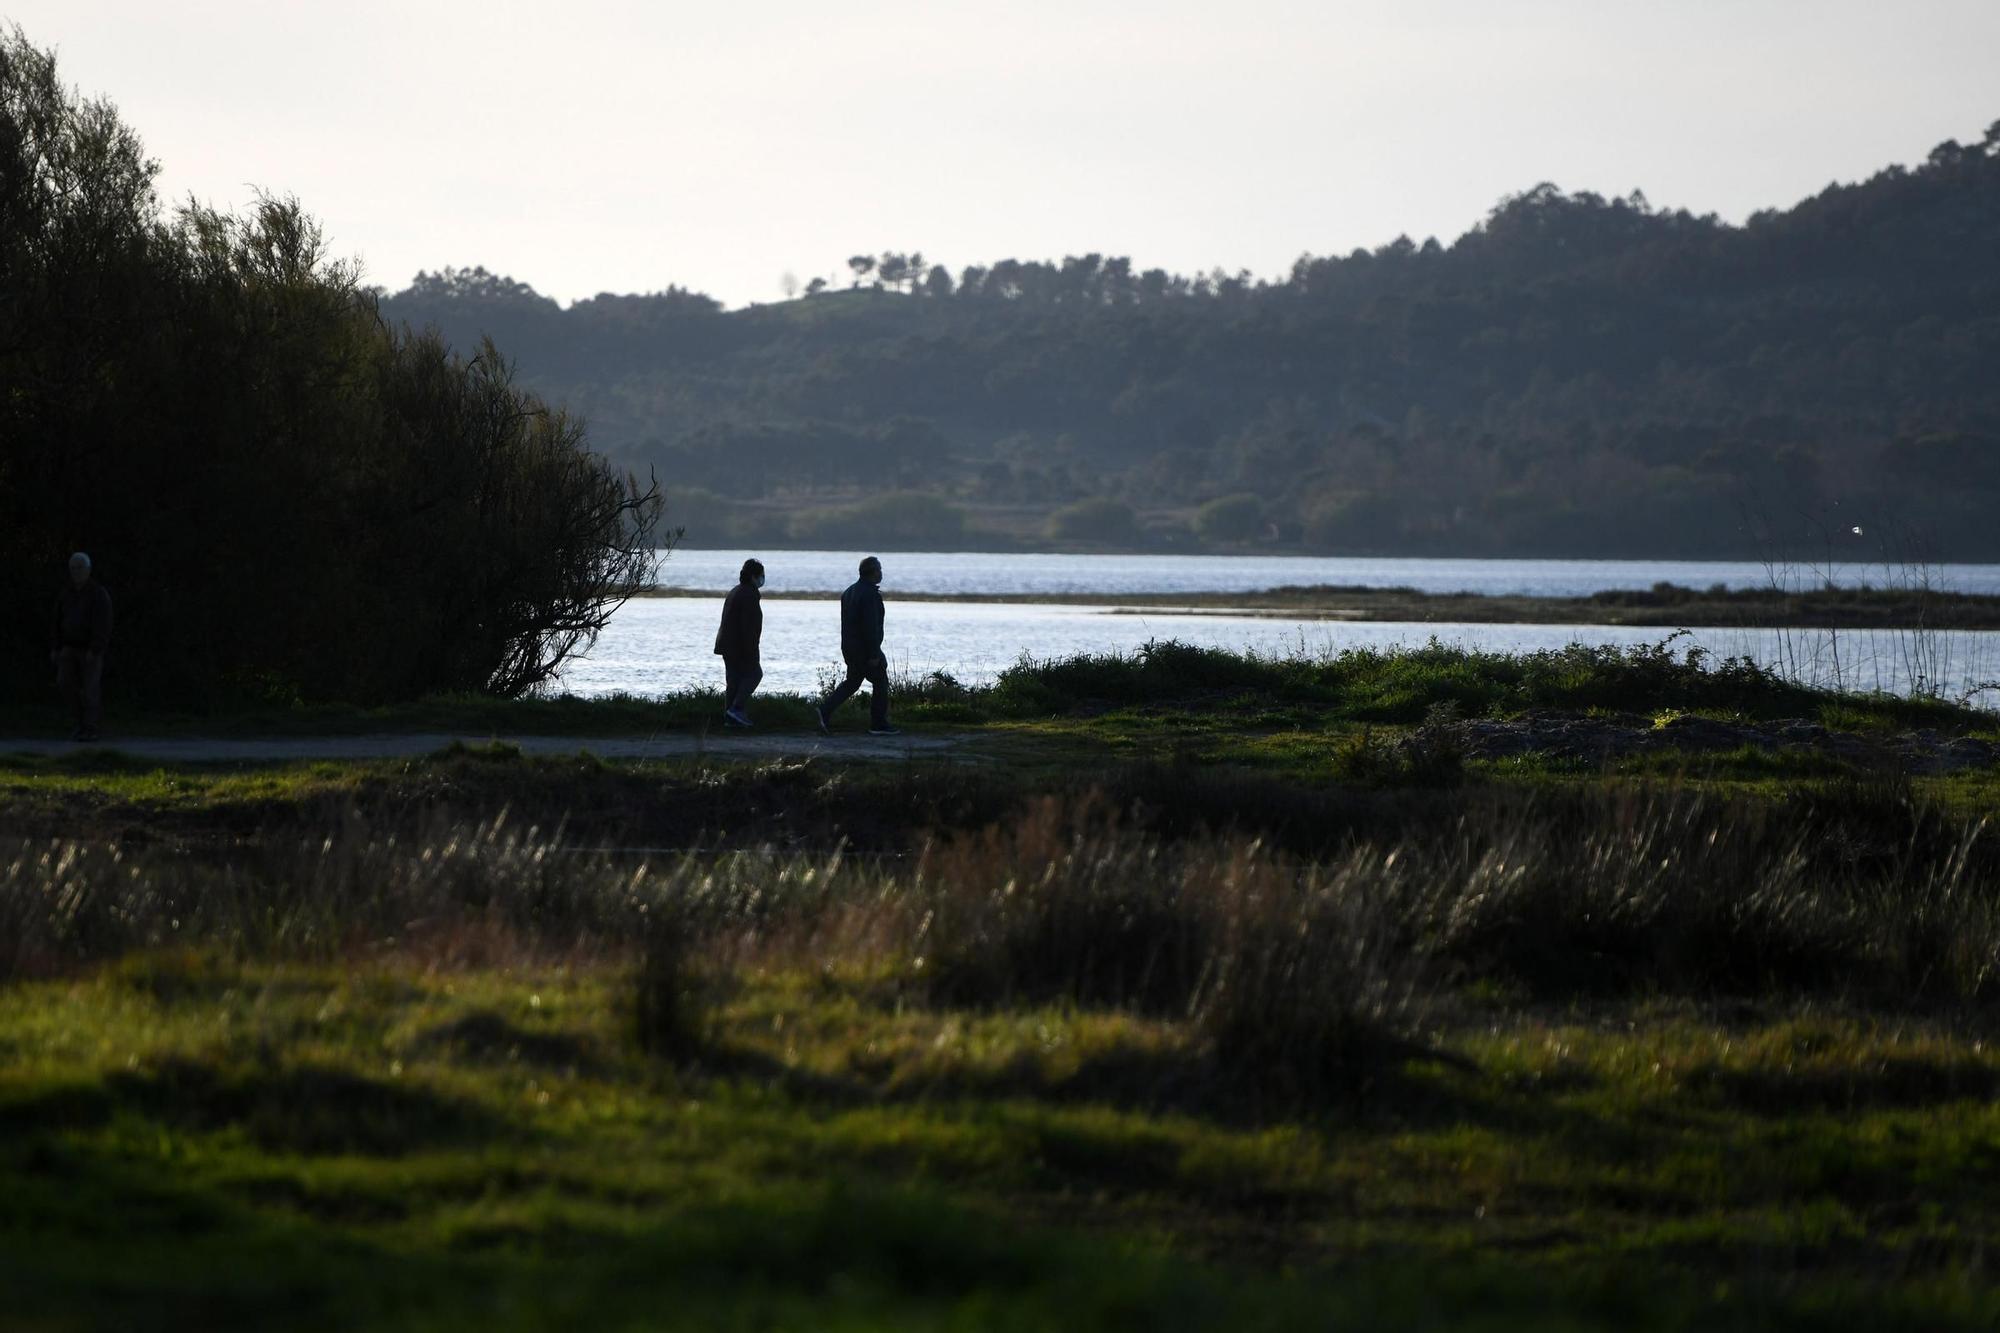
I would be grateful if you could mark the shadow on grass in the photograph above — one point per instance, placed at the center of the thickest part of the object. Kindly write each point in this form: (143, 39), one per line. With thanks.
(201, 976)
(112, 1238)
(138, 1249)
(1404, 1084)
(123, 1244)
(1899, 1083)
(307, 1110)
(486, 1038)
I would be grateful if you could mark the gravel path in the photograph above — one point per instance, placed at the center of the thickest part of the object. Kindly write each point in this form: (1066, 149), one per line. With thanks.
(401, 745)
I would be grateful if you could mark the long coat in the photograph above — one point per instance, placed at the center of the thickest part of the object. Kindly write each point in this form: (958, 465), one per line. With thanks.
(742, 623)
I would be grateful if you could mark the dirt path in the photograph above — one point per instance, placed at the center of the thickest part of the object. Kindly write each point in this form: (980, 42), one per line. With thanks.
(401, 745)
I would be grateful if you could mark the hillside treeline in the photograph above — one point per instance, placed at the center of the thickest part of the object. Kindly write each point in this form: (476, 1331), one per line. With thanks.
(288, 497)
(1577, 375)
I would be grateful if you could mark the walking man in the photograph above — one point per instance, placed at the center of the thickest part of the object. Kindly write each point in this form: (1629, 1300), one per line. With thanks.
(861, 647)
(82, 635)
(737, 642)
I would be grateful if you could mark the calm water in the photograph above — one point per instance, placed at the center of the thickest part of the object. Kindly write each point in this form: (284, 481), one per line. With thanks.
(661, 644)
(976, 573)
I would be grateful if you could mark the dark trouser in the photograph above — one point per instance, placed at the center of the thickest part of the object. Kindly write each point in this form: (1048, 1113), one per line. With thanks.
(80, 673)
(876, 672)
(740, 676)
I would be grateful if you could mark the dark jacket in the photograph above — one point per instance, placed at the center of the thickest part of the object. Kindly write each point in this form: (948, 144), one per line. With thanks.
(742, 622)
(83, 617)
(861, 622)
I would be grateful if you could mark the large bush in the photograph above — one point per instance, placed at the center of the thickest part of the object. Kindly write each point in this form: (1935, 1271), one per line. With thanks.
(286, 495)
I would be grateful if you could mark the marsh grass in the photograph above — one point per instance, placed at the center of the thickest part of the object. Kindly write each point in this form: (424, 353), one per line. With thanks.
(1295, 970)
(1292, 973)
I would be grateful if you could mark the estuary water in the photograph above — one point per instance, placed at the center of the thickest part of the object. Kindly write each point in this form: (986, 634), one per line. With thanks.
(657, 645)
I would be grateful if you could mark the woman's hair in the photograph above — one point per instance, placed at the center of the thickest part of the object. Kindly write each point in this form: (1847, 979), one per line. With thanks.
(751, 569)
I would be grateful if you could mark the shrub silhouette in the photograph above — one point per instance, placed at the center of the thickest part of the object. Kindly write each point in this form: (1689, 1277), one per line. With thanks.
(289, 497)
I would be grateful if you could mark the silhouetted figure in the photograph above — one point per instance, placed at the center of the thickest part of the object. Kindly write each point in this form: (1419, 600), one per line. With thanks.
(82, 637)
(737, 641)
(861, 647)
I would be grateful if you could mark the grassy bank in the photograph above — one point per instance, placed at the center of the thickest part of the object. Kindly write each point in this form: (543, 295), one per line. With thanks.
(1357, 685)
(1205, 737)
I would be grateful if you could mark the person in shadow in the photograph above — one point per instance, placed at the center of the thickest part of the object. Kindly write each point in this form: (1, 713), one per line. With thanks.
(861, 648)
(737, 642)
(82, 635)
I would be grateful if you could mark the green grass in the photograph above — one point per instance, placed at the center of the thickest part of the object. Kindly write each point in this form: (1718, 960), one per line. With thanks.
(692, 801)
(1252, 770)
(194, 1143)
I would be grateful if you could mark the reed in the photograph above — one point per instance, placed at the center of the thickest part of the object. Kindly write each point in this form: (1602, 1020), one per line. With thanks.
(1294, 970)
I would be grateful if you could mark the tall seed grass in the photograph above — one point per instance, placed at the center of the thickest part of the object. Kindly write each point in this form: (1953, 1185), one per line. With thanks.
(1295, 968)
(451, 893)
(1292, 969)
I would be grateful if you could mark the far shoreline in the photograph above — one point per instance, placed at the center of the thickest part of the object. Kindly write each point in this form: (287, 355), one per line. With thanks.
(1664, 606)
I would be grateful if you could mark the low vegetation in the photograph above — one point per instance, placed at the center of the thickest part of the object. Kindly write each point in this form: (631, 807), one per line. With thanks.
(1404, 686)
(1854, 892)
(1357, 685)
(1112, 1018)
(398, 1145)
(1686, 1067)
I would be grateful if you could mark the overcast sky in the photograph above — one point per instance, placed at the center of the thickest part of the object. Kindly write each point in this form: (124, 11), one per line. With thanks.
(593, 145)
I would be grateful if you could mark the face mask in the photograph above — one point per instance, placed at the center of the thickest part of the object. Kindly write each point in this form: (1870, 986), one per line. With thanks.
(760, 580)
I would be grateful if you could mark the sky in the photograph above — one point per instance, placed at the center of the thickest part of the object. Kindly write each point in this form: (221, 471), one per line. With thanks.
(596, 145)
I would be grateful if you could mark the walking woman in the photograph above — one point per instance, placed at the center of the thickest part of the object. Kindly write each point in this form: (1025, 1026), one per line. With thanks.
(737, 643)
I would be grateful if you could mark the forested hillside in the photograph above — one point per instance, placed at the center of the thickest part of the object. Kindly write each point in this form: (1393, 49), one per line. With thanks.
(1577, 375)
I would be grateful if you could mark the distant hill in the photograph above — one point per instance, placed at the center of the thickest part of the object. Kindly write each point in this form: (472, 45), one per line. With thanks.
(1575, 376)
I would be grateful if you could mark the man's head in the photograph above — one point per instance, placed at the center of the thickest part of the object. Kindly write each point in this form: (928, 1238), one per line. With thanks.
(79, 569)
(753, 573)
(871, 570)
